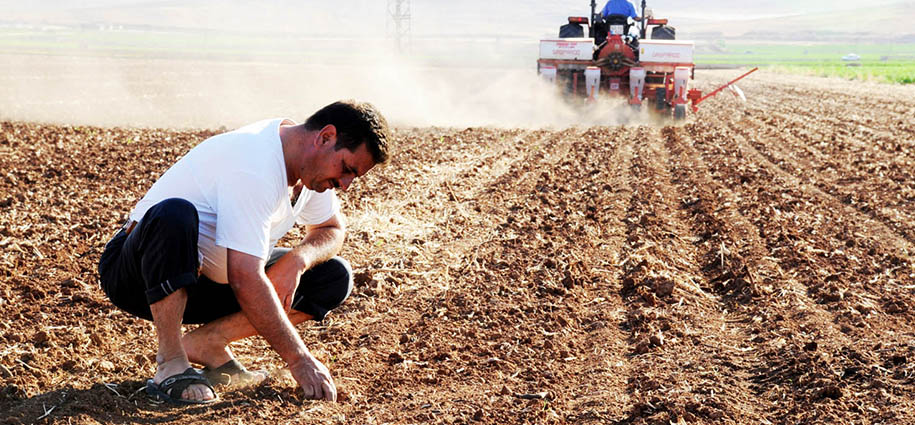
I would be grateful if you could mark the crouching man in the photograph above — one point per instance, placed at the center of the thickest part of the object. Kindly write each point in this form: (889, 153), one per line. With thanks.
(200, 247)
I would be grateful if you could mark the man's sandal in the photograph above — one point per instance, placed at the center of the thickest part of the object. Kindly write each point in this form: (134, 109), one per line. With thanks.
(176, 384)
(233, 373)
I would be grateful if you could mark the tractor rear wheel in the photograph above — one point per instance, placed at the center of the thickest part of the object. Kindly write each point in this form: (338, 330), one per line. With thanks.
(679, 112)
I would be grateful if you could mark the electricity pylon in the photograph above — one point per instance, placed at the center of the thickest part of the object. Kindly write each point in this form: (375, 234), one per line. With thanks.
(399, 13)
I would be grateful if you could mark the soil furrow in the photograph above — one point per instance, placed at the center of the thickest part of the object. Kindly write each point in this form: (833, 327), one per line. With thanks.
(885, 117)
(848, 241)
(767, 149)
(669, 308)
(733, 261)
(602, 194)
(452, 253)
(855, 99)
(551, 272)
(818, 341)
(887, 186)
(743, 265)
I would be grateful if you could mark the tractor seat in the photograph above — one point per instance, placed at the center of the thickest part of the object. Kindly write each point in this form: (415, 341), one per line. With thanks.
(617, 24)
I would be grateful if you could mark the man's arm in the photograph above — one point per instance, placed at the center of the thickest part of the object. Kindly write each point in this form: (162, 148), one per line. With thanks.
(261, 306)
(634, 14)
(321, 242)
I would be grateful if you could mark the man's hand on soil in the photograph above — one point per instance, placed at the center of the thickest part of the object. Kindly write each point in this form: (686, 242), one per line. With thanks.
(314, 378)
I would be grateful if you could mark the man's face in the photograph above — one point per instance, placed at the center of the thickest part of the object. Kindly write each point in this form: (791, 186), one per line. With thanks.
(336, 168)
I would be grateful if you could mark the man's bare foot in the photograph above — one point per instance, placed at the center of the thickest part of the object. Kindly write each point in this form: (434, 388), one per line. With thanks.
(206, 346)
(177, 366)
(234, 374)
(206, 349)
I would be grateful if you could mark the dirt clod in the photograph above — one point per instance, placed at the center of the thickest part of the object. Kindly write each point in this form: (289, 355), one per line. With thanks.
(664, 287)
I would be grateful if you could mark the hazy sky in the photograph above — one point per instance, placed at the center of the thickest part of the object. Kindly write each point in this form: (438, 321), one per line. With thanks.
(429, 17)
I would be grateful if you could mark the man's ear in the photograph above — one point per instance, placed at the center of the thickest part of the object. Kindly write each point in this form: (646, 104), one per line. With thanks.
(328, 134)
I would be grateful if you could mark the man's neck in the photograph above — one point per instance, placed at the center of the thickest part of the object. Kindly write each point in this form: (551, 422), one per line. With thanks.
(292, 138)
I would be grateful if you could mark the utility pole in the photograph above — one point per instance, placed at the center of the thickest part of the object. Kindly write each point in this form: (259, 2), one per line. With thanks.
(399, 13)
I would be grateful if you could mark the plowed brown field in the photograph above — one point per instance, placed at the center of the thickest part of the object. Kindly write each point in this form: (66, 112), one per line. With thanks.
(753, 265)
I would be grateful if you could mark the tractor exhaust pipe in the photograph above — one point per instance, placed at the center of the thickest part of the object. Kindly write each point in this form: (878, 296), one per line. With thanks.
(642, 36)
(593, 18)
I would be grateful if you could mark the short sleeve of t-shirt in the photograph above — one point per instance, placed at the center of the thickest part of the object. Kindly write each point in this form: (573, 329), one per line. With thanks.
(318, 208)
(244, 204)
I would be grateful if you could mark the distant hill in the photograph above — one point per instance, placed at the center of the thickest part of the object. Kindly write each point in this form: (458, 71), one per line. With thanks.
(274, 16)
(873, 24)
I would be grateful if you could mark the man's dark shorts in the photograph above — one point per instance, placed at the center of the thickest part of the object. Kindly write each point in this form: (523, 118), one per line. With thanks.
(159, 256)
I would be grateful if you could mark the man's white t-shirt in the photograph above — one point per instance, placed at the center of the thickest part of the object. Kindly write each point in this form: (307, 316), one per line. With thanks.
(237, 181)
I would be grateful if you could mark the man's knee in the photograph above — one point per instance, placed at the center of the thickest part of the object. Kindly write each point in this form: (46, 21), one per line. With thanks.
(324, 288)
(342, 280)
